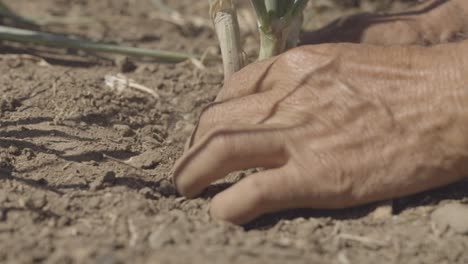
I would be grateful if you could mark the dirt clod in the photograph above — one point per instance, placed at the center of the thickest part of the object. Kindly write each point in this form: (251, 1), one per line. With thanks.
(147, 160)
(8, 104)
(28, 153)
(6, 165)
(453, 216)
(166, 188)
(15, 151)
(124, 130)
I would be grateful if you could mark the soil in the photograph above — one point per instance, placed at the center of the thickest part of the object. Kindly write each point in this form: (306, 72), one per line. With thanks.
(84, 169)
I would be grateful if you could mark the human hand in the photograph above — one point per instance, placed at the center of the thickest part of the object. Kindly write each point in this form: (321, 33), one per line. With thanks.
(433, 22)
(334, 126)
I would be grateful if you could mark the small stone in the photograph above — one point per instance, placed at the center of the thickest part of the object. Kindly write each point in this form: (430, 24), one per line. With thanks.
(453, 216)
(15, 151)
(125, 64)
(166, 188)
(124, 130)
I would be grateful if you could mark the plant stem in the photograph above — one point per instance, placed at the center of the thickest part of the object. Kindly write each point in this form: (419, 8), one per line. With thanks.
(52, 40)
(271, 44)
(223, 13)
(279, 25)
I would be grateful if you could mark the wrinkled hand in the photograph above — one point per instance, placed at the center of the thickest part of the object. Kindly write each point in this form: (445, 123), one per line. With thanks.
(433, 22)
(334, 126)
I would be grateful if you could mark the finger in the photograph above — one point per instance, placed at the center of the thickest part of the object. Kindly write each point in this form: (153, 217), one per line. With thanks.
(258, 194)
(248, 110)
(226, 150)
(254, 78)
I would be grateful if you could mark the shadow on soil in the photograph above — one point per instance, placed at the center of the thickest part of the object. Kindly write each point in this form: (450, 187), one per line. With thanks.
(457, 191)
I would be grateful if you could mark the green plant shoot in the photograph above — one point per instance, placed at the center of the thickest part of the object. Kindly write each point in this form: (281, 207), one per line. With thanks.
(279, 23)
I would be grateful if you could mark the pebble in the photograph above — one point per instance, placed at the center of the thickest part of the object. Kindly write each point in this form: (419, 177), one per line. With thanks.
(453, 216)
(166, 188)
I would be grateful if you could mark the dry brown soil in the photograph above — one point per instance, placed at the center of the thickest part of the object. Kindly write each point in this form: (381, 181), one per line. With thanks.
(84, 169)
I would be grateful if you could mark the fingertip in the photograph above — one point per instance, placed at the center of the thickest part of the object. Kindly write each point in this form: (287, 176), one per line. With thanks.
(244, 201)
(182, 183)
(220, 209)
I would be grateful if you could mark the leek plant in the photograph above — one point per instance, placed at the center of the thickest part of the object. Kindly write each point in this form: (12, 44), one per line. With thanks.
(279, 24)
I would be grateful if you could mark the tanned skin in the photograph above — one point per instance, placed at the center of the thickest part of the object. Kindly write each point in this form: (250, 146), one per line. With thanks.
(338, 125)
